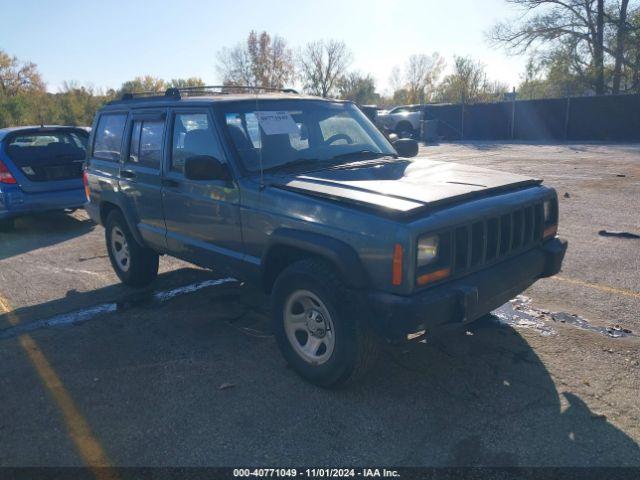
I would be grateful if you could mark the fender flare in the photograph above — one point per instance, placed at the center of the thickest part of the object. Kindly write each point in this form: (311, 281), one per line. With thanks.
(341, 255)
(126, 213)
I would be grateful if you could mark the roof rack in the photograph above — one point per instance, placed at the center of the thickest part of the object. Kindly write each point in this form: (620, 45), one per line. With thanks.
(176, 93)
(221, 90)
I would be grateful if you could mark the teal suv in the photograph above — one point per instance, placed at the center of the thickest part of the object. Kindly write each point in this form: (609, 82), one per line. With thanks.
(357, 241)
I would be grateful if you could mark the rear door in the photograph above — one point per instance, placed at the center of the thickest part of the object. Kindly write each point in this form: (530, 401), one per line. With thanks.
(47, 159)
(140, 173)
(202, 217)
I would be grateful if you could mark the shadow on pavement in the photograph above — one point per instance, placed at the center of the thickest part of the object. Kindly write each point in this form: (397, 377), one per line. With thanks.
(149, 381)
(126, 297)
(42, 230)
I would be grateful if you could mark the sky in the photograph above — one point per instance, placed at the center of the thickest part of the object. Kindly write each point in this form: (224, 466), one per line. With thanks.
(104, 43)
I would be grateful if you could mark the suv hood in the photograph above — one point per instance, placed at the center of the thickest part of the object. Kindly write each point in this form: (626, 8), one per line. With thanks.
(403, 186)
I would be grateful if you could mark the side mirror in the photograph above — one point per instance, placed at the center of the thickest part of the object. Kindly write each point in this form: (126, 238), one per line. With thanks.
(406, 147)
(205, 167)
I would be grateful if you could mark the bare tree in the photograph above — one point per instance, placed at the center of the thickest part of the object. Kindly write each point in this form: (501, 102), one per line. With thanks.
(468, 83)
(18, 77)
(322, 65)
(416, 82)
(621, 36)
(598, 48)
(556, 24)
(263, 61)
(359, 88)
(422, 73)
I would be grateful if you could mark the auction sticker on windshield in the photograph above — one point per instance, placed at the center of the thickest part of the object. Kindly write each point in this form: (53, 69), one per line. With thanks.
(277, 123)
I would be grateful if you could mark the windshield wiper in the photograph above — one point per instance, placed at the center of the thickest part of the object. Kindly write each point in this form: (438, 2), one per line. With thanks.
(363, 154)
(293, 164)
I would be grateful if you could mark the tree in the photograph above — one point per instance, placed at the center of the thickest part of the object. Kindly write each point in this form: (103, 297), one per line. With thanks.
(358, 88)
(421, 74)
(552, 76)
(322, 65)
(146, 83)
(598, 47)
(185, 82)
(587, 33)
(18, 77)
(262, 61)
(621, 36)
(415, 83)
(468, 83)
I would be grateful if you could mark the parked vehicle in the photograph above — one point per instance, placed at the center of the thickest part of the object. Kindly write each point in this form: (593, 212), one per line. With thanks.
(40, 170)
(403, 120)
(304, 197)
(371, 111)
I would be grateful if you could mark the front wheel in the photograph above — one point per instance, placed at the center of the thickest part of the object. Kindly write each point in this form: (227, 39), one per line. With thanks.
(134, 264)
(320, 333)
(404, 130)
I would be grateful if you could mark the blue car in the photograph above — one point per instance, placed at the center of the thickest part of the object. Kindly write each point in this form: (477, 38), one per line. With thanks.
(41, 170)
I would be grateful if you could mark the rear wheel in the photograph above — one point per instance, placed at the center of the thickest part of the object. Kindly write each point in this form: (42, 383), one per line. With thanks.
(320, 332)
(134, 264)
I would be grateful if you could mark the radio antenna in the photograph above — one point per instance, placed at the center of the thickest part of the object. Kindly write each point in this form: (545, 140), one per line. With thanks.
(261, 142)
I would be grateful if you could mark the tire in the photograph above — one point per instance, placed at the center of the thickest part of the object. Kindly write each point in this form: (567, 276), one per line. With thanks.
(312, 291)
(404, 130)
(134, 264)
(7, 225)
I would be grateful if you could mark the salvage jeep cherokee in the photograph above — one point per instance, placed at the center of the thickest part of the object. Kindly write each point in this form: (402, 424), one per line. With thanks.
(304, 196)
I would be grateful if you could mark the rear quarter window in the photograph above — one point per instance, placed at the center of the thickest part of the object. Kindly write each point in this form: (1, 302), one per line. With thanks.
(108, 136)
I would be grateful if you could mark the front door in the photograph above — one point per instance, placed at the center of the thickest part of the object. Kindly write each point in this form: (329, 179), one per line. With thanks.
(202, 216)
(140, 176)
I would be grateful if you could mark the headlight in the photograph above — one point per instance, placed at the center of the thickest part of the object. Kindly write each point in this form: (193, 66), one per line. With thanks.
(427, 250)
(548, 211)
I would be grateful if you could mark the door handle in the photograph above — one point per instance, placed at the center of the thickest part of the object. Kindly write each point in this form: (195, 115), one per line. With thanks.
(168, 182)
(127, 174)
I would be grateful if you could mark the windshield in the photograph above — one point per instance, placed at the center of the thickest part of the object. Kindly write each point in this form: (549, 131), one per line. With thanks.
(280, 133)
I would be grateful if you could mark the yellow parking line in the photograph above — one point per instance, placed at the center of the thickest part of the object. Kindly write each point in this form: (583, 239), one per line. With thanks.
(603, 288)
(88, 446)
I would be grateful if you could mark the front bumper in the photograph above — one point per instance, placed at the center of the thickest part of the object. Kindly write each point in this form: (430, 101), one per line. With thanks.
(14, 202)
(466, 299)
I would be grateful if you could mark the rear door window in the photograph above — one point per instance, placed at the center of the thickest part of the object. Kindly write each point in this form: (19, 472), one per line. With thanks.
(145, 147)
(108, 137)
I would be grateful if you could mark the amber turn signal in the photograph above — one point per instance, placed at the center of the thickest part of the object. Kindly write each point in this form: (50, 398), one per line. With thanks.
(550, 231)
(396, 275)
(434, 276)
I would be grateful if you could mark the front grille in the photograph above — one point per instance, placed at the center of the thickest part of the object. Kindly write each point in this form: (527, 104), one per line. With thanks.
(48, 173)
(495, 238)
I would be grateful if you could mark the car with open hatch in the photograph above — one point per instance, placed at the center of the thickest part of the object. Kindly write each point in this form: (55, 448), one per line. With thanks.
(357, 241)
(41, 170)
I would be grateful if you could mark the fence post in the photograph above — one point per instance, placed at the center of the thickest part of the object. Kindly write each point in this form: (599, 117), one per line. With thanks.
(566, 118)
(513, 114)
(462, 121)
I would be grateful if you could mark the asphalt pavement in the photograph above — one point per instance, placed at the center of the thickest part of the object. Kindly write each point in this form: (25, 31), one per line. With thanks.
(95, 373)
